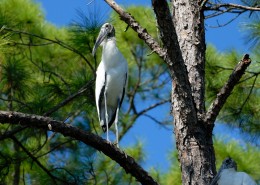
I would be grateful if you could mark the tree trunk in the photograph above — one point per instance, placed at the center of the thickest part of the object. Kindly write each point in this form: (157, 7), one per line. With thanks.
(193, 139)
(182, 34)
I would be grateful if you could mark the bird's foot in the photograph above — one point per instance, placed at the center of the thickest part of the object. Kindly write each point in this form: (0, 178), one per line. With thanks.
(124, 153)
(109, 142)
(116, 144)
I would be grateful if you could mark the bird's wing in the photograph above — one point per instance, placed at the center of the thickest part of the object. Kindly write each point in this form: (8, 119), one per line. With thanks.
(101, 80)
(120, 101)
(215, 179)
(124, 89)
(244, 179)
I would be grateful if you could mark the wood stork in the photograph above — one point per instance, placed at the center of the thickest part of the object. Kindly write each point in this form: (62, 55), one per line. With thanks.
(228, 175)
(111, 79)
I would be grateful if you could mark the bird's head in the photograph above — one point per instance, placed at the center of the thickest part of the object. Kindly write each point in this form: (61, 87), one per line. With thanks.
(106, 31)
(228, 163)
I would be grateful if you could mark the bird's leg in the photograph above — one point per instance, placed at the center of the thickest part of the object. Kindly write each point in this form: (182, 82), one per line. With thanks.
(116, 120)
(106, 115)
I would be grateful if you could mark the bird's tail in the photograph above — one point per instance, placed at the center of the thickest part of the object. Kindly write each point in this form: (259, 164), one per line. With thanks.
(111, 118)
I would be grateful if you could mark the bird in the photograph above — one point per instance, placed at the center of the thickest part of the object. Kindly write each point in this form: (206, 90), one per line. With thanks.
(111, 79)
(228, 175)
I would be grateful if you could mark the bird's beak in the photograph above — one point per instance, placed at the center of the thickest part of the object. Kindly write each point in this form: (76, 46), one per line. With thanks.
(101, 36)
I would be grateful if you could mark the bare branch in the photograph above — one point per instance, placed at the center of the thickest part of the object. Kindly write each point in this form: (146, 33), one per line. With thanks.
(227, 22)
(232, 6)
(226, 90)
(221, 8)
(153, 106)
(127, 162)
(161, 123)
(136, 115)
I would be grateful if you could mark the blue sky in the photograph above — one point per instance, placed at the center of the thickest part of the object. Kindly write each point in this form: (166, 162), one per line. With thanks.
(63, 12)
(158, 141)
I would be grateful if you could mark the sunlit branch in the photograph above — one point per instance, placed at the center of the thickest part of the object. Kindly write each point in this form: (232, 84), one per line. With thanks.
(226, 90)
(253, 74)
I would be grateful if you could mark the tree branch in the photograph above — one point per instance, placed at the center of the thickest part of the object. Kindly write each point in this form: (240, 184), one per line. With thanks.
(232, 6)
(168, 32)
(182, 97)
(226, 90)
(10, 133)
(142, 32)
(69, 99)
(127, 162)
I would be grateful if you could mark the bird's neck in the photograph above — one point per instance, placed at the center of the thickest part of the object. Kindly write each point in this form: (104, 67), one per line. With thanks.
(230, 170)
(110, 51)
(109, 43)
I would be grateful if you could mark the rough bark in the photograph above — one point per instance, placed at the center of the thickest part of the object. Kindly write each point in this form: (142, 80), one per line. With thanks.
(184, 41)
(196, 152)
(189, 24)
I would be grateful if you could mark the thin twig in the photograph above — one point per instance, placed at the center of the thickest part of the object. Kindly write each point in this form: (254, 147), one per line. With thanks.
(233, 6)
(68, 99)
(8, 134)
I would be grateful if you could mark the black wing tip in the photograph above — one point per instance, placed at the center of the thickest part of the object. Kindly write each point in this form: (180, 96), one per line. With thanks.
(104, 128)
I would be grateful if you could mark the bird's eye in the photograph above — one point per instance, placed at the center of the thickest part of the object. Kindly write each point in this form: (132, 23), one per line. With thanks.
(107, 26)
(228, 161)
